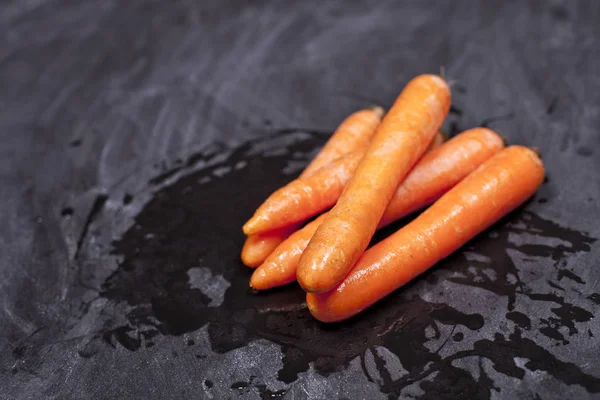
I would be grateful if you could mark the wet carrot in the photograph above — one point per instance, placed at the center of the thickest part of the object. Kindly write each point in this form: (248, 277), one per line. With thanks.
(436, 173)
(257, 247)
(353, 133)
(497, 187)
(279, 268)
(401, 139)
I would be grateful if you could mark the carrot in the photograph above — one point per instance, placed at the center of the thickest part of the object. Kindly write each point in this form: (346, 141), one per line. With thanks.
(497, 187)
(258, 247)
(353, 133)
(279, 268)
(304, 198)
(436, 173)
(401, 139)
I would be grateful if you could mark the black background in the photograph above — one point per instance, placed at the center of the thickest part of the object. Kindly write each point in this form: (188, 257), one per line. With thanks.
(138, 136)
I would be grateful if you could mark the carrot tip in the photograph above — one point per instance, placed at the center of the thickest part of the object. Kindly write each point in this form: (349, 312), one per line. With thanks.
(250, 226)
(379, 111)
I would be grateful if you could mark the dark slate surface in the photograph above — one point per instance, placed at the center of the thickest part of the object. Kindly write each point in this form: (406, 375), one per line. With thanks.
(137, 136)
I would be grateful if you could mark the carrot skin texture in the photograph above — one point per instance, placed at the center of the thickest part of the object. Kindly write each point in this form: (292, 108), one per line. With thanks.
(497, 187)
(257, 247)
(440, 170)
(353, 133)
(436, 173)
(280, 266)
(304, 198)
(402, 137)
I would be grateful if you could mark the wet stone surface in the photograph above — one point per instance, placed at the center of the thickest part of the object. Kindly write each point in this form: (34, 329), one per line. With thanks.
(133, 167)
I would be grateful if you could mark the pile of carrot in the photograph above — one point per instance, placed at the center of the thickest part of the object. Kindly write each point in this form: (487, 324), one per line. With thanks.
(376, 168)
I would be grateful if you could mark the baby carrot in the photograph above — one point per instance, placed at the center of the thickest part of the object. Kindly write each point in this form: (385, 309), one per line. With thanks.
(258, 247)
(436, 173)
(401, 139)
(354, 132)
(498, 186)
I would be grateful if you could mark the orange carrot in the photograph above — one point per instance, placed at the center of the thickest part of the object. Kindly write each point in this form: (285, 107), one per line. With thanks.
(258, 247)
(279, 268)
(401, 139)
(436, 173)
(497, 187)
(304, 198)
(353, 133)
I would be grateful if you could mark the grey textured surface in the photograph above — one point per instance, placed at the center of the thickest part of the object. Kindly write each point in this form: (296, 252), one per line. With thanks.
(159, 126)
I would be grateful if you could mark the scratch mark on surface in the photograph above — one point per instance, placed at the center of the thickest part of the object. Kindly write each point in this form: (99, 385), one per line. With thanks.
(552, 106)
(488, 121)
(95, 210)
